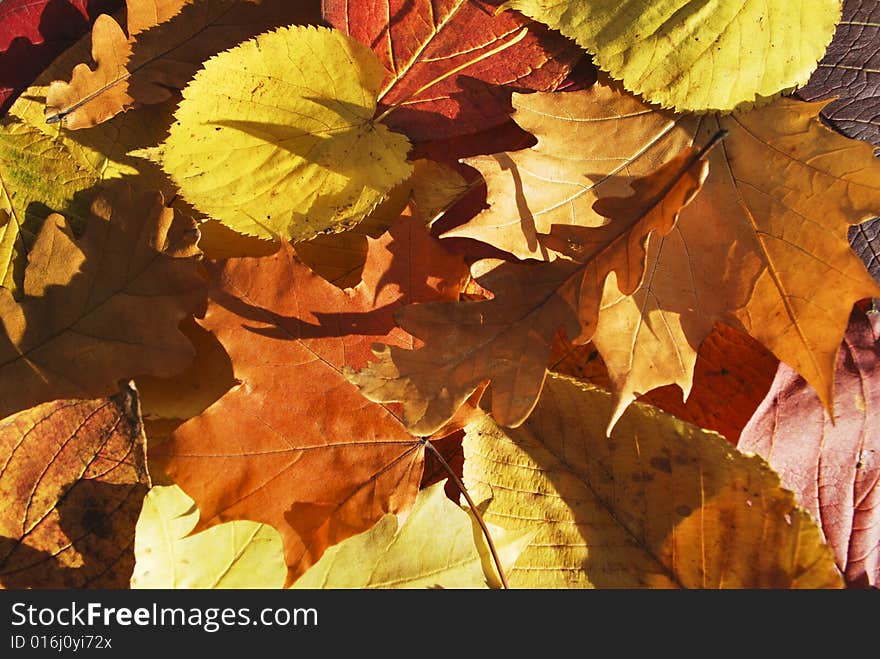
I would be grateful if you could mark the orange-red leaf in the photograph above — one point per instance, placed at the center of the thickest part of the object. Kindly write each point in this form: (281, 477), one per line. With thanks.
(452, 63)
(294, 444)
(833, 467)
(72, 482)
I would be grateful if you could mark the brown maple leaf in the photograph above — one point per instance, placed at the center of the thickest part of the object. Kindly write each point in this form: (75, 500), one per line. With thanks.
(294, 444)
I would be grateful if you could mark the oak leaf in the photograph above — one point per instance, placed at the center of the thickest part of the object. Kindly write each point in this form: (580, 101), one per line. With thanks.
(34, 32)
(294, 444)
(832, 466)
(159, 52)
(762, 246)
(451, 64)
(238, 554)
(693, 55)
(103, 307)
(659, 504)
(276, 137)
(73, 479)
(508, 339)
(438, 545)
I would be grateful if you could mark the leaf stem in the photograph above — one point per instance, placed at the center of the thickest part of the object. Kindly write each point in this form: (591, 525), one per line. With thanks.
(463, 490)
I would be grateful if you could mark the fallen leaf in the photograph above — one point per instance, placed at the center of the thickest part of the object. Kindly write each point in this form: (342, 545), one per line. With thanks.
(865, 241)
(507, 340)
(294, 445)
(848, 74)
(100, 308)
(439, 545)
(832, 467)
(451, 64)
(159, 53)
(340, 257)
(693, 55)
(276, 136)
(763, 245)
(37, 177)
(238, 554)
(659, 504)
(73, 479)
(34, 32)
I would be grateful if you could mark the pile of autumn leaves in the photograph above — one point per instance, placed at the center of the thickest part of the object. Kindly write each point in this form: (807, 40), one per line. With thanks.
(293, 250)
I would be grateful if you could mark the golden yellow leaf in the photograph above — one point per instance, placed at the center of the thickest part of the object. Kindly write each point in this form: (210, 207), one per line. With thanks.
(661, 503)
(239, 554)
(276, 137)
(438, 545)
(696, 55)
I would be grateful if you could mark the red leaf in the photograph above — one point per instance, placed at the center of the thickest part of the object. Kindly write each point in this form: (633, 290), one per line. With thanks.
(452, 64)
(834, 468)
(34, 32)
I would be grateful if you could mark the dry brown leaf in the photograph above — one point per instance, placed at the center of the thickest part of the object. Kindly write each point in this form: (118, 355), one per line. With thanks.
(103, 307)
(764, 244)
(507, 339)
(73, 479)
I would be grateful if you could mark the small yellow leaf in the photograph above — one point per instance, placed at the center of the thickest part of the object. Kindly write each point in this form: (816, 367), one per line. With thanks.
(438, 546)
(276, 137)
(661, 503)
(239, 554)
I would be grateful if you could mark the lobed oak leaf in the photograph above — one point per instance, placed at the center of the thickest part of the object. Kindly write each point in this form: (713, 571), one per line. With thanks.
(507, 340)
(438, 545)
(695, 55)
(763, 246)
(833, 467)
(164, 44)
(451, 64)
(103, 307)
(284, 123)
(238, 554)
(659, 504)
(34, 32)
(73, 479)
(294, 444)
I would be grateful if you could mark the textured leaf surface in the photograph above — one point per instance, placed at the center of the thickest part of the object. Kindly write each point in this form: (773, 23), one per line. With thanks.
(103, 307)
(294, 444)
(764, 240)
(73, 479)
(660, 504)
(277, 136)
(833, 468)
(238, 554)
(732, 375)
(508, 339)
(850, 73)
(152, 59)
(438, 546)
(37, 176)
(452, 63)
(34, 32)
(697, 55)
